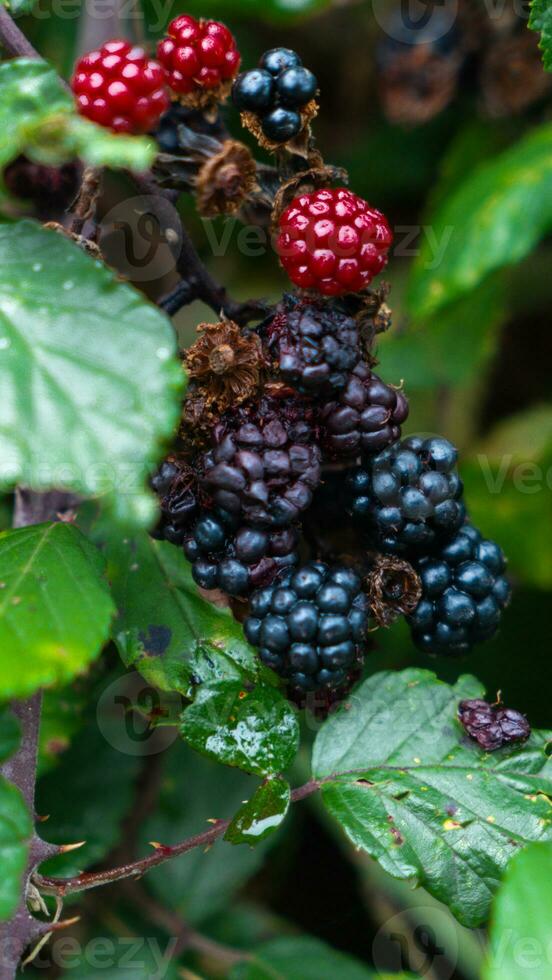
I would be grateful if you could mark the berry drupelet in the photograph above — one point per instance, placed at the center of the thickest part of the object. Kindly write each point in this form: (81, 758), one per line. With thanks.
(310, 625)
(492, 726)
(464, 591)
(409, 497)
(333, 241)
(315, 345)
(365, 418)
(120, 87)
(200, 58)
(264, 464)
(236, 558)
(276, 92)
(175, 484)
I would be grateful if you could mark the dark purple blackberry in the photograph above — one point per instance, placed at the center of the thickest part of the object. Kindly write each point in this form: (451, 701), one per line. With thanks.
(264, 464)
(409, 497)
(175, 484)
(310, 625)
(276, 93)
(236, 558)
(464, 591)
(315, 345)
(365, 418)
(493, 726)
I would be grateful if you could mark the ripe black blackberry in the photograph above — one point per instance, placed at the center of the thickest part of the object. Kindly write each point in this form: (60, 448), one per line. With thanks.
(175, 484)
(237, 558)
(409, 497)
(491, 725)
(265, 463)
(365, 418)
(310, 625)
(464, 591)
(315, 345)
(276, 93)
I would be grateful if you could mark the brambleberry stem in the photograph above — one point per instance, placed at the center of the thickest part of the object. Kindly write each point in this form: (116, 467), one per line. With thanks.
(13, 39)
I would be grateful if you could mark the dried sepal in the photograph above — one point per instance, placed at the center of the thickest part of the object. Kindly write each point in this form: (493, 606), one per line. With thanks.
(393, 588)
(298, 144)
(205, 100)
(225, 363)
(226, 180)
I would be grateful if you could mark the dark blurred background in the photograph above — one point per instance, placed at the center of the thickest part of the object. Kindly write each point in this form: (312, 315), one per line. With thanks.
(413, 113)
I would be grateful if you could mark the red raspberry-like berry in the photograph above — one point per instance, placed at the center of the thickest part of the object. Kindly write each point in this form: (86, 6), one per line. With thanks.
(120, 87)
(198, 55)
(333, 241)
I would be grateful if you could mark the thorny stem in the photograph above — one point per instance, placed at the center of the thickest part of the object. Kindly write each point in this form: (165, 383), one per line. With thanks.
(161, 854)
(84, 205)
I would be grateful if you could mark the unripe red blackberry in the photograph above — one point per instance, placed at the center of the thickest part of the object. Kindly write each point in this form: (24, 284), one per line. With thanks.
(264, 464)
(200, 58)
(315, 344)
(366, 418)
(333, 242)
(493, 726)
(120, 87)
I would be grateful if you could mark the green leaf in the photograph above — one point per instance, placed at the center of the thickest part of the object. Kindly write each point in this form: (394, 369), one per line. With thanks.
(165, 629)
(9, 733)
(90, 386)
(262, 814)
(16, 829)
(541, 20)
(86, 796)
(193, 790)
(55, 607)
(521, 932)
(19, 7)
(302, 958)
(38, 118)
(494, 219)
(256, 730)
(421, 798)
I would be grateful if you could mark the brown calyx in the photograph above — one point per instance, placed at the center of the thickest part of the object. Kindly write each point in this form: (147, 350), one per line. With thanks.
(226, 180)
(226, 364)
(393, 588)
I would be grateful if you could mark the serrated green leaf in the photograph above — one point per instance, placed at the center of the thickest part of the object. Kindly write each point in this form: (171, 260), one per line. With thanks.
(15, 832)
(55, 607)
(521, 932)
(493, 219)
(90, 385)
(38, 118)
(422, 799)
(195, 789)
(540, 20)
(262, 814)
(301, 958)
(9, 733)
(165, 628)
(256, 730)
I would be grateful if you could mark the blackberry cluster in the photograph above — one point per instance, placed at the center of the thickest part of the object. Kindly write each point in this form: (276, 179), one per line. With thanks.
(234, 557)
(366, 418)
(310, 625)
(464, 591)
(276, 92)
(409, 497)
(291, 490)
(264, 465)
(315, 345)
(491, 725)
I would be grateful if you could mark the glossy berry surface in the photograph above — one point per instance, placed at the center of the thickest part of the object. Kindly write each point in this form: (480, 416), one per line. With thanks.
(310, 625)
(276, 92)
(120, 87)
(492, 726)
(464, 591)
(198, 55)
(315, 345)
(265, 464)
(333, 241)
(175, 484)
(408, 498)
(365, 418)
(236, 558)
